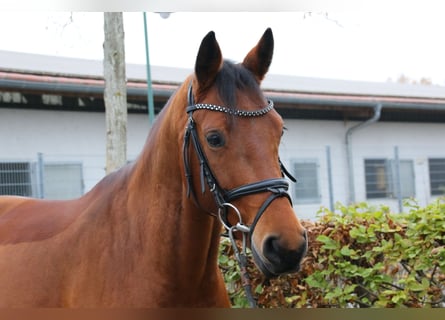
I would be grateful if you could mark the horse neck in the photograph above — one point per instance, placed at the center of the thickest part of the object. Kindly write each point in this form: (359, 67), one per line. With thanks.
(177, 232)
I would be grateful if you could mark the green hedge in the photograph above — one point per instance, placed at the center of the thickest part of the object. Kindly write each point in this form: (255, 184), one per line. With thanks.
(359, 256)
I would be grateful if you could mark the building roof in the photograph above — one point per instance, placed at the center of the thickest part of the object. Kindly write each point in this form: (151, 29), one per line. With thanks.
(297, 96)
(63, 66)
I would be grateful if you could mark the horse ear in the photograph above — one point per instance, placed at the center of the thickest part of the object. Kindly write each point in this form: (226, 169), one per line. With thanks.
(209, 61)
(259, 58)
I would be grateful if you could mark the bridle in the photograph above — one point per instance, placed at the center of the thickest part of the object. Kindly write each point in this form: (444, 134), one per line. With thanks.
(277, 187)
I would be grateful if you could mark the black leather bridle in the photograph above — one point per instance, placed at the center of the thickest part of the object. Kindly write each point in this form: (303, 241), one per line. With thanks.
(278, 187)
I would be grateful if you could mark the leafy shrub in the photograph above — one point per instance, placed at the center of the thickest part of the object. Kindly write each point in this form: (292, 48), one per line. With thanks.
(359, 256)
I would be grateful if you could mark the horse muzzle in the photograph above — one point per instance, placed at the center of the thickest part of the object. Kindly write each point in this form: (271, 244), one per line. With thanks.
(274, 258)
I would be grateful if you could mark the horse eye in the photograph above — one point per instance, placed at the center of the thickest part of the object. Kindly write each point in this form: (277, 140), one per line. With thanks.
(215, 139)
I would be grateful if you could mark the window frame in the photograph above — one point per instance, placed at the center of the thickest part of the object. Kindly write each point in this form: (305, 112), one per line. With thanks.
(315, 198)
(23, 178)
(389, 179)
(81, 181)
(436, 191)
(19, 179)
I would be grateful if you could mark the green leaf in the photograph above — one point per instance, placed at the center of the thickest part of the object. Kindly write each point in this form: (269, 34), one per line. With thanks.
(418, 287)
(223, 259)
(346, 251)
(399, 298)
(314, 283)
(365, 273)
(328, 243)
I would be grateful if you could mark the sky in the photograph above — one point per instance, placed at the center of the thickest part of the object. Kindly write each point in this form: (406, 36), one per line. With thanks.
(365, 46)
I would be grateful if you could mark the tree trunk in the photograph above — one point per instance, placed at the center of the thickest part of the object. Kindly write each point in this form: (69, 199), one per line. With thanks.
(115, 94)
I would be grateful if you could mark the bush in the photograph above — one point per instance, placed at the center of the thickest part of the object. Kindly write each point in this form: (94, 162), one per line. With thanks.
(359, 256)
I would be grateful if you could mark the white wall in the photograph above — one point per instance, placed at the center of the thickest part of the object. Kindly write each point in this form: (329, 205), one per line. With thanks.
(307, 139)
(416, 142)
(65, 136)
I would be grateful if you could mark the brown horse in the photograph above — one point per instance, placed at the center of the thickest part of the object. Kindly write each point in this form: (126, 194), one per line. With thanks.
(146, 235)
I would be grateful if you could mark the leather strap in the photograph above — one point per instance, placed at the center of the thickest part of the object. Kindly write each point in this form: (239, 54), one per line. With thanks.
(256, 187)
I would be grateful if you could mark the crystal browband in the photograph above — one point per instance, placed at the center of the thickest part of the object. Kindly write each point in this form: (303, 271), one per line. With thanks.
(234, 112)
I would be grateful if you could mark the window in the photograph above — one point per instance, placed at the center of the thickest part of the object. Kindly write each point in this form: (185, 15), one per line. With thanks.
(63, 180)
(307, 189)
(16, 179)
(376, 176)
(60, 180)
(381, 178)
(437, 176)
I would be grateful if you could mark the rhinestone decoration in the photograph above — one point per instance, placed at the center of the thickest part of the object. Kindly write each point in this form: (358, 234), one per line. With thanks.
(234, 112)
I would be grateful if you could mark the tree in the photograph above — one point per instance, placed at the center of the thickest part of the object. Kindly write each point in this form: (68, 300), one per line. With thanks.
(407, 80)
(115, 94)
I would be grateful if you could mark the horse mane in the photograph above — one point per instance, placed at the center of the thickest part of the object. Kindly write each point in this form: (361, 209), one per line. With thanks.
(233, 77)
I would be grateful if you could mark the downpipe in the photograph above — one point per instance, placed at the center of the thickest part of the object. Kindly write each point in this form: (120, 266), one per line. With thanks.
(349, 157)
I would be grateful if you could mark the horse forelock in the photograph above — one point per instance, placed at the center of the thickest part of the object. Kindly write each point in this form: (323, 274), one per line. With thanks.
(230, 79)
(233, 77)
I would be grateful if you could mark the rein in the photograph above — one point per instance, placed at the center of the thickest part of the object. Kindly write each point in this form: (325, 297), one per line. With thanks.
(278, 187)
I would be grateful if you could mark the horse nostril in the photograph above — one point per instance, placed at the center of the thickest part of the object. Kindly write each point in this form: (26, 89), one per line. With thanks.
(281, 258)
(272, 250)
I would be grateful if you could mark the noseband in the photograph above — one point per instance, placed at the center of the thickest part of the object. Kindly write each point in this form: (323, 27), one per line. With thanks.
(278, 187)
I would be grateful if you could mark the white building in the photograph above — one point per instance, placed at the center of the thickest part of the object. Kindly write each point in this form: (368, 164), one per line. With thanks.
(346, 141)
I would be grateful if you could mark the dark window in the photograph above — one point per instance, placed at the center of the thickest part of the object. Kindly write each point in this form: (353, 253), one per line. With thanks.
(377, 178)
(16, 179)
(381, 178)
(437, 176)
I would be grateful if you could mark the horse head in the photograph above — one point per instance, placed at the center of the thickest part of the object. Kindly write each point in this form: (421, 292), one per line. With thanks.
(231, 156)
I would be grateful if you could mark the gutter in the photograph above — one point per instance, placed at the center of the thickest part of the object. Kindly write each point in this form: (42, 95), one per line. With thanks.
(413, 103)
(349, 157)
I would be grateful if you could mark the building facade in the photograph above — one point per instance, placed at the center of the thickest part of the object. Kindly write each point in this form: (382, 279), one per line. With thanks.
(345, 141)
